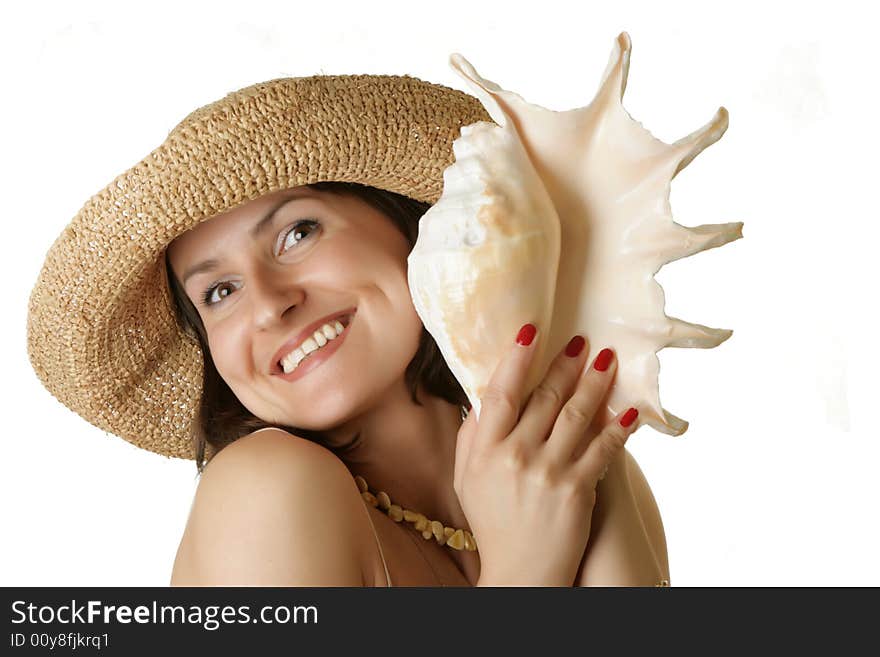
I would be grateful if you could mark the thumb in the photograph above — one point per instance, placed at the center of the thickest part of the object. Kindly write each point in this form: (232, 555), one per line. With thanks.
(463, 448)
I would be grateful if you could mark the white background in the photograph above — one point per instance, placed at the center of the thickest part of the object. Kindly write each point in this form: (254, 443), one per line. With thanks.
(774, 482)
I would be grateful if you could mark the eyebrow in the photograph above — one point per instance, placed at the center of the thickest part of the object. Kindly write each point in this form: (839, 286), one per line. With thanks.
(255, 232)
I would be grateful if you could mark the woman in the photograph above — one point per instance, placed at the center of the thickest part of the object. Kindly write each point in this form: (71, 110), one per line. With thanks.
(235, 231)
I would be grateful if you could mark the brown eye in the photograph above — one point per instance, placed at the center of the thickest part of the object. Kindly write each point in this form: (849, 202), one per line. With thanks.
(208, 294)
(300, 228)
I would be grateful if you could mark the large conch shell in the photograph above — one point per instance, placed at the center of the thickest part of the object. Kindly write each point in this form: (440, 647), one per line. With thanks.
(561, 219)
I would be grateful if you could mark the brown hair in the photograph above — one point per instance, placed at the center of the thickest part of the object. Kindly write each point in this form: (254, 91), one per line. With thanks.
(222, 419)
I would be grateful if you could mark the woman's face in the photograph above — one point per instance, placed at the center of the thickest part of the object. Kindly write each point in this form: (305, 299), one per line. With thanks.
(318, 255)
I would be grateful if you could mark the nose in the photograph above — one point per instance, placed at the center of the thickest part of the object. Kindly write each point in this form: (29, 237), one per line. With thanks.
(271, 296)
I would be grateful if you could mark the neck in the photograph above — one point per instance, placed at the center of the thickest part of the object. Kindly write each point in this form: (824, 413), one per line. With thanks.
(408, 451)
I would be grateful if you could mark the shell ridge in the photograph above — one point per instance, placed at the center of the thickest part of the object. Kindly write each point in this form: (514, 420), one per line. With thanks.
(694, 336)
(481, 87)
(688, 147)
(613, 84)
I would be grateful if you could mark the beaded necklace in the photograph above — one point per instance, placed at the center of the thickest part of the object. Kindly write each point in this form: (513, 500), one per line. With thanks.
(457, 539)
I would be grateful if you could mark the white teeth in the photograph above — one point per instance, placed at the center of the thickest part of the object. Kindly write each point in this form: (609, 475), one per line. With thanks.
(317, 340)
(309, 345)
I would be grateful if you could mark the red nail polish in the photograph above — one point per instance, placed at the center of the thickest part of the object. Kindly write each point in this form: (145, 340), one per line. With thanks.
(629, 417)
(575, 346)
(526, 335)
(603, 360)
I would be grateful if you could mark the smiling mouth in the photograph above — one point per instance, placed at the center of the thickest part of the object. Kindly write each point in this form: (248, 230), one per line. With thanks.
(302, 356)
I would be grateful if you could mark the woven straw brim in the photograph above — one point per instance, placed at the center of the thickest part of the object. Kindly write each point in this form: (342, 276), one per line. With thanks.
(101, 331)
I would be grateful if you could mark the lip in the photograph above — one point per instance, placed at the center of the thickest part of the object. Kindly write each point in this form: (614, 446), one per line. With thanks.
(299, 338)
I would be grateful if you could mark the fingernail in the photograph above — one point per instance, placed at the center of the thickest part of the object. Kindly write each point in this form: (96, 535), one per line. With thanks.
(603, 360)
(526, 335)
(629, 417)
(575, 346)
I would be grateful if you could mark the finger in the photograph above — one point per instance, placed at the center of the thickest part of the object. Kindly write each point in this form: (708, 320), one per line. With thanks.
(547, 398)
(573, 421)
(501, 401)
(605, 447)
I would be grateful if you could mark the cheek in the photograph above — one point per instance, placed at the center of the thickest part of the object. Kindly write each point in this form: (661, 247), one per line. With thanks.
(407, 328)
(226, 355)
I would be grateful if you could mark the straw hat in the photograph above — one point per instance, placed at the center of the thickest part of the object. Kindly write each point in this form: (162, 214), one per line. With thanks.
(101, 331)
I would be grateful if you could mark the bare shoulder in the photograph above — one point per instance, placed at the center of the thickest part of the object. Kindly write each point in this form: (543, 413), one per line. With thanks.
(274, 509)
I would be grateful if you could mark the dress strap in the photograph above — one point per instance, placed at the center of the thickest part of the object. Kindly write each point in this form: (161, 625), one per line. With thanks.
(263, 429)
(381, 553)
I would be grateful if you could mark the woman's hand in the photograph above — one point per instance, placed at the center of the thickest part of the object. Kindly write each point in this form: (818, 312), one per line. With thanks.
(527, 483)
